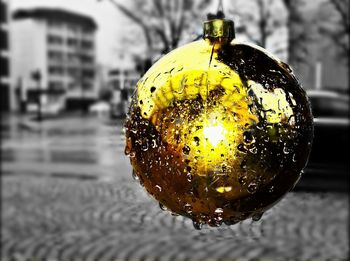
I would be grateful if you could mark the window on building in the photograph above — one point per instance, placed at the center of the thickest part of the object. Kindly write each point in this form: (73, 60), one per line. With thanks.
(4, 40)
(114, 72)
(3, 12)
(56, 70)
(87, 59)
(4, 97)
(73, 72)
(73, 57)
(4, 67)
(86, 44)
(88, 73)
(72, 42)
(71, 86)
(56, 86)
(55, 55)
(54, 39)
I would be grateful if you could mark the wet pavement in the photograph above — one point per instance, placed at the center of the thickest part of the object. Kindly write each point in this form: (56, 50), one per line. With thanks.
(68, 194)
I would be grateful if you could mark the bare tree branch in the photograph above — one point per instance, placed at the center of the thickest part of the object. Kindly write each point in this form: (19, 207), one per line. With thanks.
(337, 28)
(137, 20)
(266, 21)
(163, 22)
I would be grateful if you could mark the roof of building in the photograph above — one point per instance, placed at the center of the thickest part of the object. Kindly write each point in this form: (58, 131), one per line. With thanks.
(56, 15)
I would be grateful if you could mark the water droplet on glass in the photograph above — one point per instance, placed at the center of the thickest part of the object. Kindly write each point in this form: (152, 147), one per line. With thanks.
(197, 225)
(181, 88)
(243, 164)
(252, 187)
(144, 146)
(287, 67)
(218, 211)
(257, 216)
(162, 207)
(188, 208)
(241, 148)
(135, 177)
(224, 167)
(132, 154)
(248, 137)
(127, 150)
(242, 180)
(196, 139)
(186, 150)
(253, 150)
(285, 150)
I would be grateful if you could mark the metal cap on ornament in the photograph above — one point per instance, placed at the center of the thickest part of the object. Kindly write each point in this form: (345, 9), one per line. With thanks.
(219, 29)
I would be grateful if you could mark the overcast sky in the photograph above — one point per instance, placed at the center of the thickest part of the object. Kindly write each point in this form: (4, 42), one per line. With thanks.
(111, 23)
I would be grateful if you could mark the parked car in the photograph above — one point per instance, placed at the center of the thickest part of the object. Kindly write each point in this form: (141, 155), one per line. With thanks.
(328, 166)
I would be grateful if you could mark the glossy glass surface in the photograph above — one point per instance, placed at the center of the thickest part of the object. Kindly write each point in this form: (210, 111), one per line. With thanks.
(218, 133)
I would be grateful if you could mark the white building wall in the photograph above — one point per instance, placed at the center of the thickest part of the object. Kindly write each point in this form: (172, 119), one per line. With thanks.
(30, 49)
(29, 53)
(6, 53)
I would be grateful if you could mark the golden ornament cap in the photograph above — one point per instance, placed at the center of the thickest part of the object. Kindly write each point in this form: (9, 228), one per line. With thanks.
(221, 30)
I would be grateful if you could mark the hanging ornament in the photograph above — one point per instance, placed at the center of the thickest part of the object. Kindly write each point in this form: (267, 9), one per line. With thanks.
(218, 130)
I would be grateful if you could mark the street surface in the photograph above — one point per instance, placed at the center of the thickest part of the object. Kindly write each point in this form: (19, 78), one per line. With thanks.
(68, 194)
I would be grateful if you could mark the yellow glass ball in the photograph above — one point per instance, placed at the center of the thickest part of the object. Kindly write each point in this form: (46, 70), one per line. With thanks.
(218, 132)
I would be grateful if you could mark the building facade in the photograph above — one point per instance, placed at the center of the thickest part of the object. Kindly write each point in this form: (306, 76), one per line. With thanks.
(4, 57)
(53, 58)
(122, 82)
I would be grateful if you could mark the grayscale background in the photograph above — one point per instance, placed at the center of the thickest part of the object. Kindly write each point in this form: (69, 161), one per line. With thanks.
(68, 69)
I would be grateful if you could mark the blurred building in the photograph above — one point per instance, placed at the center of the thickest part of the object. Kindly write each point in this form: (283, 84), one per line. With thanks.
(53, 54)
(4, 57)
(122, 79)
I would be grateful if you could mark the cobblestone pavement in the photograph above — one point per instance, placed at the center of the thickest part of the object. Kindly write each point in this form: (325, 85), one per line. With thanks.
(69, 195)
(50, 218)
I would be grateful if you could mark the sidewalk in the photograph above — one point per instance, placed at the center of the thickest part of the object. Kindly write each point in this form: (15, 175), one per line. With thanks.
(53, 218)
(69, 145)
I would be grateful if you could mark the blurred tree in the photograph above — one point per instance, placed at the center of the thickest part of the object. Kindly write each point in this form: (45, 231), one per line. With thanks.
(162, 22)
(336, 25)
(300, 33)
(263, 18)
(257, 21)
